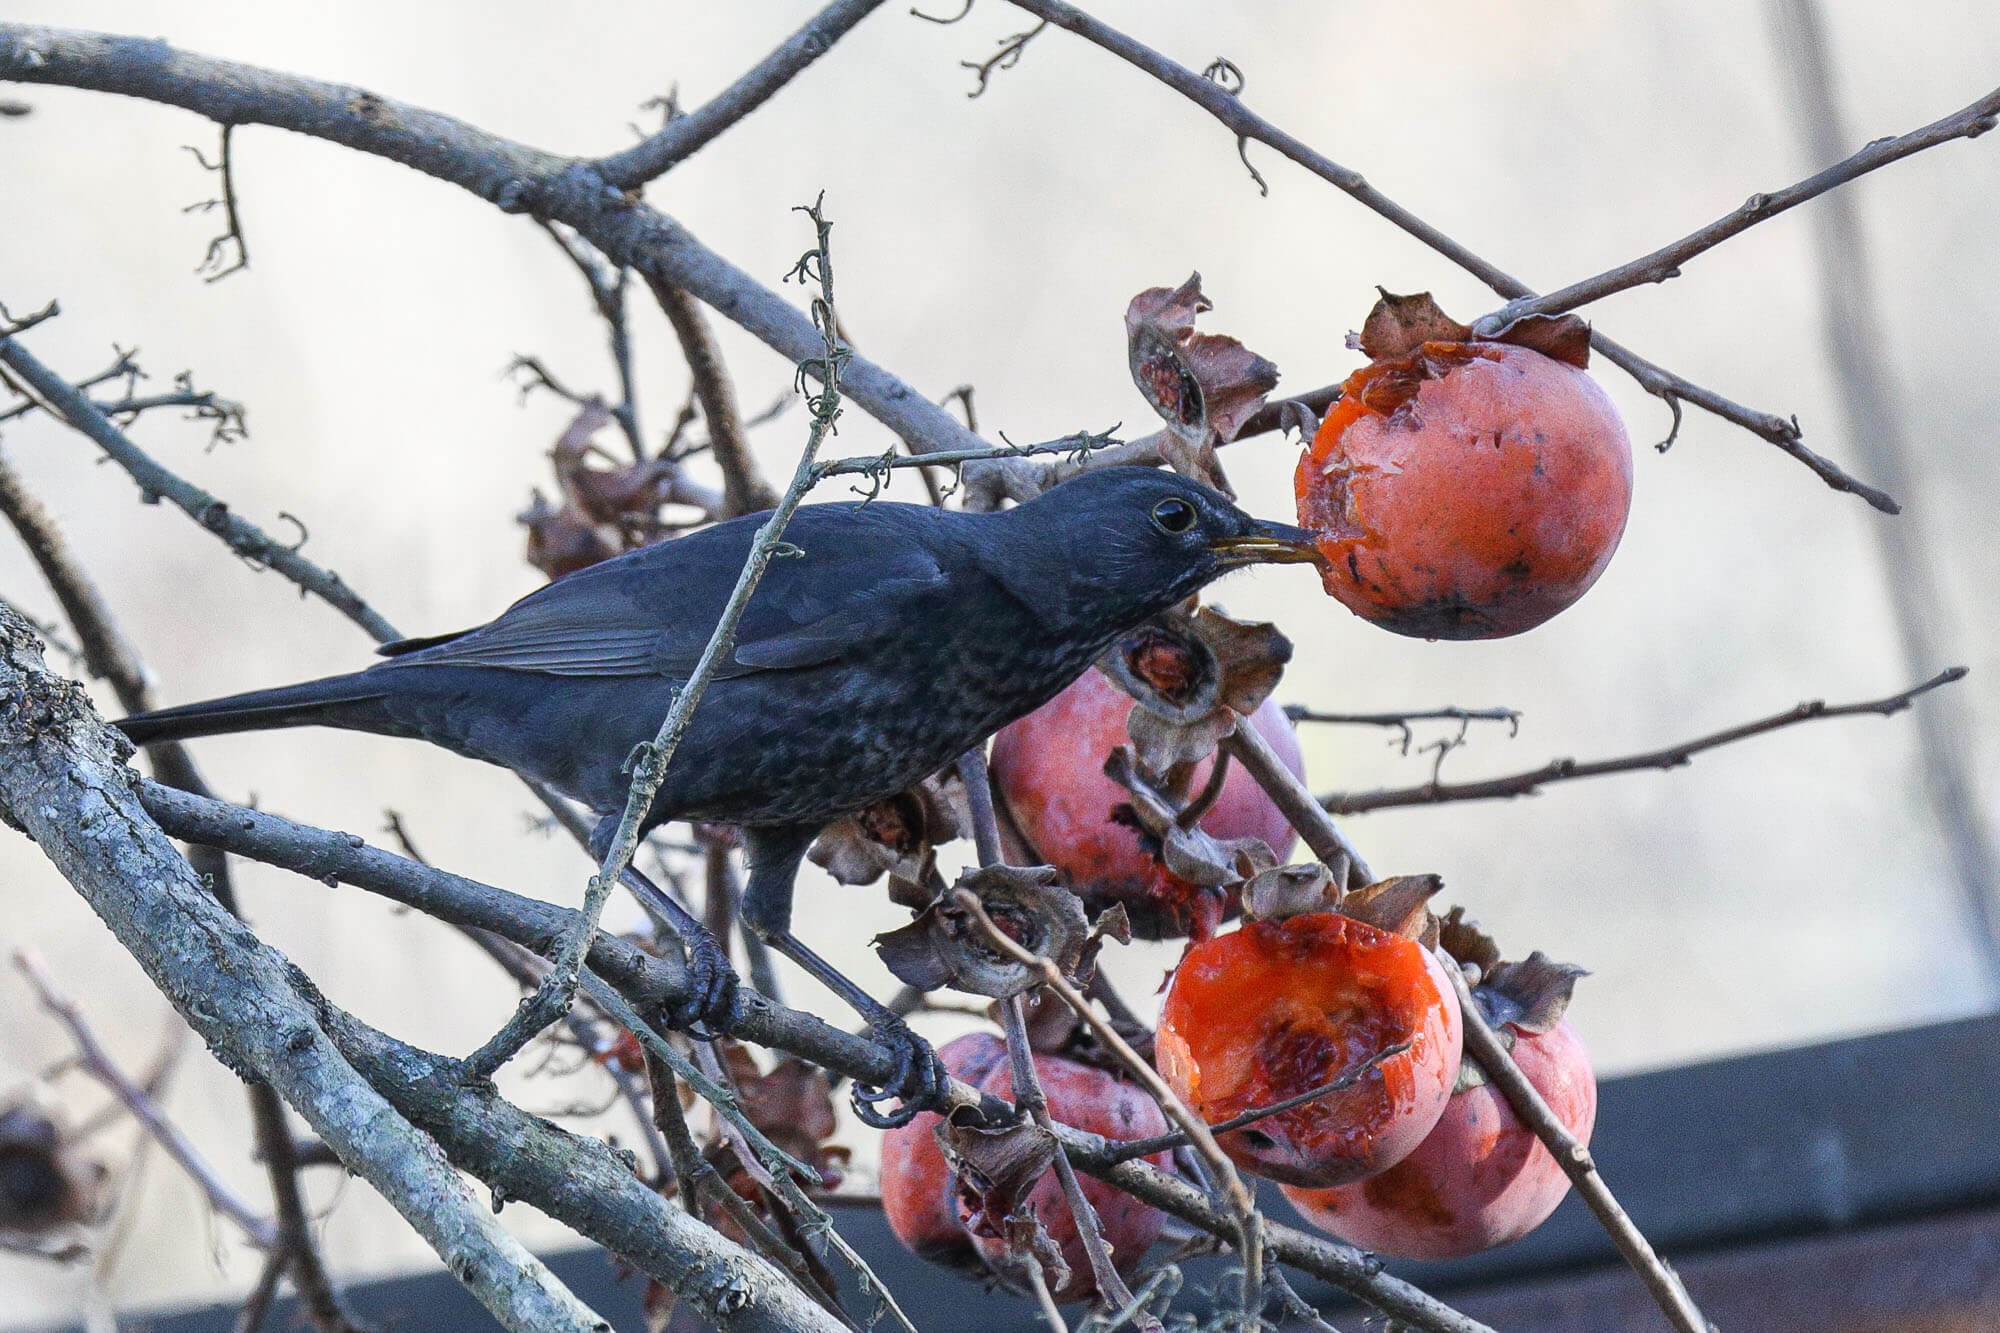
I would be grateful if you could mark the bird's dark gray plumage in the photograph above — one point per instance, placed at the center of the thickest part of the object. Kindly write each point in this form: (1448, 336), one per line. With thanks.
(898, 638)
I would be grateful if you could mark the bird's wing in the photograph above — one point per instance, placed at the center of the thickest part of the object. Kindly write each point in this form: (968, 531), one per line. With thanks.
(651, 612)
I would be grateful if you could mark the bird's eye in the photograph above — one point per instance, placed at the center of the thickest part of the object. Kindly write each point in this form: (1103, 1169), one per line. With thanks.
(1175, 516)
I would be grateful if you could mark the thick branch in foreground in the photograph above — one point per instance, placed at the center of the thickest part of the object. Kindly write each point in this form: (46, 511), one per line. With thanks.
(1672, 756)
(63, 784)
(1226, 105)
(109, 655)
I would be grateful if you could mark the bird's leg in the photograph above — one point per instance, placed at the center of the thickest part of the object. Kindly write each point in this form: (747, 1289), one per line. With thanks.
(710, 1006)
(920, 1077)
(711, 997)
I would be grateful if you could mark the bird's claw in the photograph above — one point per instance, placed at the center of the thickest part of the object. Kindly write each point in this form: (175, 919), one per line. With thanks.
(918, 1084)
(712, 1004)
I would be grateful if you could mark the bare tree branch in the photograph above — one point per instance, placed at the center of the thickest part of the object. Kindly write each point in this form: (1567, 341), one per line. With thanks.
(684, 136)
(156, 482)
(1672, 756)
(108, 654)
(744, 486)
(509, 175)
(1966, 123)
(95, 1061)
(62, 783)
(1227, 107)
(1484, 1047)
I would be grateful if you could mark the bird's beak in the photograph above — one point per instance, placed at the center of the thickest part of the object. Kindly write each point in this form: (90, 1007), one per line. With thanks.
(1267, 543)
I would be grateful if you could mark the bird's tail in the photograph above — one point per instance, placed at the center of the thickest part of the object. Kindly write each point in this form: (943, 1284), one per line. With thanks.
(328, 702)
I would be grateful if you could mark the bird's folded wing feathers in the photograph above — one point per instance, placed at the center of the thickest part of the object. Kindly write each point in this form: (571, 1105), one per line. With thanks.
(652, 613)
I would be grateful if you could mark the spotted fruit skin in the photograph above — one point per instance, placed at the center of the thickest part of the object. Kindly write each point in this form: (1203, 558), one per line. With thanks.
(1097, 1102)
(1275, 1009)
(918, 1193)
(1466, 491)
(1049, 767)
(1481, 1179)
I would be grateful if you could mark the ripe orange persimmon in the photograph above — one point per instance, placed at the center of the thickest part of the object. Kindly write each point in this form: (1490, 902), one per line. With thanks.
(1466, 489)
(1049, 768)
(1278, 1008)
(1481, 1179)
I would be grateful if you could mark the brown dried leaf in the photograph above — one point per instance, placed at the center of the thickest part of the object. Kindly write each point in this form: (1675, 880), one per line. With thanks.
(1564, 337)
(946, 945)
(1467, 942)
(1192, 675)
(49, 1183)
(897, 836)
(1189, 853)
(1289, 891)
(562, 541)
(1397, 905)
(1399, 325)
(1203, 385)
(793, 1105)
(994, 1167)
(1532, 994)
(1250, 654)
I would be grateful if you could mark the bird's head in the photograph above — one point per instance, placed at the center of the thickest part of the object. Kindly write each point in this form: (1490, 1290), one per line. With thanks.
(1118, 544)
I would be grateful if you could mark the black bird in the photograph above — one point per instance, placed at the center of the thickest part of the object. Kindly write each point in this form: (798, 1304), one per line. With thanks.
(902, 636)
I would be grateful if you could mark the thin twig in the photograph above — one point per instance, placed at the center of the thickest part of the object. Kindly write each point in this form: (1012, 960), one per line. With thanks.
(94, 1061)
(213, 267)
(1966, 123)
(1672, 756)
(1484, 1046)
(156, 482)
(9, 325)
(1249, 748)
(1130, 1149)
(1465, 717)
(744, 486)
(684, 136)
(607, 294)
(650, 761)
(1241, 1203)
(1029, 1095)
(1226, 107)
(693, 1170)
(1006, 57)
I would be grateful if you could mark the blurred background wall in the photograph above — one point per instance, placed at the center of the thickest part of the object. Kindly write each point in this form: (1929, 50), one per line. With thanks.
(1786, 890)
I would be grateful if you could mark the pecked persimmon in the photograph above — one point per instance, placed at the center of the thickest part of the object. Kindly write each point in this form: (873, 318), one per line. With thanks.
(1049, 769)
(1466, 489)
(919, 1196)
(1097, 1102)
(1278, 1008)
(1481, 1179)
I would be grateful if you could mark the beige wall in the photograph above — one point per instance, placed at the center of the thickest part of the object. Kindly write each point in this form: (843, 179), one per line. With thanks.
(1777, 893)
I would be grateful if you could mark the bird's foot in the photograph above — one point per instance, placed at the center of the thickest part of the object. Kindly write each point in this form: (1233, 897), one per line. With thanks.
(712, 1003)
(917, 1085)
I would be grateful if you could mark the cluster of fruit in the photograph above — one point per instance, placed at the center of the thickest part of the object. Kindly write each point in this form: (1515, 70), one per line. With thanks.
(1462, 487)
